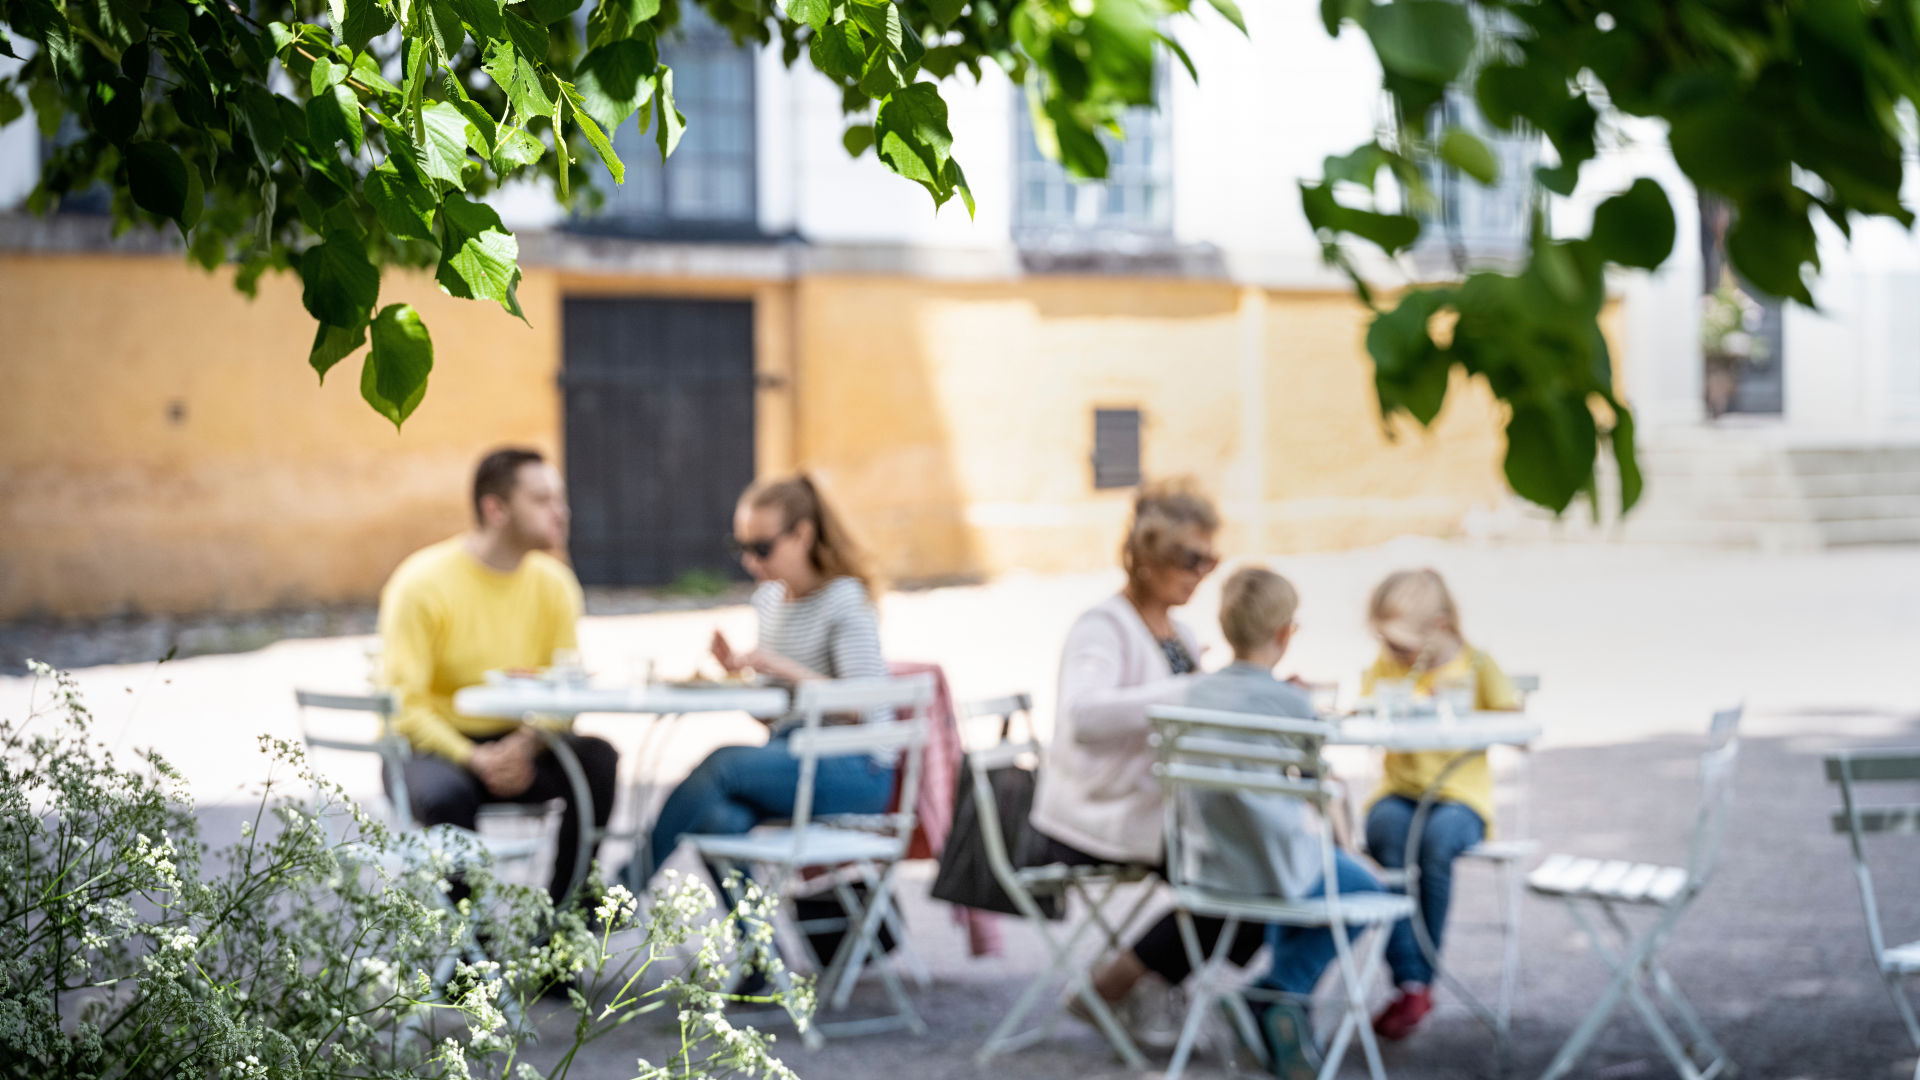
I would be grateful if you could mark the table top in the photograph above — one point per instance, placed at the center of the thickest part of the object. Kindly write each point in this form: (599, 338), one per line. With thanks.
(511, 701)
(1475, 731)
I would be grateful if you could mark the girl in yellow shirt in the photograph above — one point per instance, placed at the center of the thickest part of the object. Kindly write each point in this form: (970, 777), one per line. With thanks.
(1413, 615)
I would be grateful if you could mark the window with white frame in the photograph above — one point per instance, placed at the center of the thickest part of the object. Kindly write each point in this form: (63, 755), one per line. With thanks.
(708, 185)
(1136, 197)
(1475, 222)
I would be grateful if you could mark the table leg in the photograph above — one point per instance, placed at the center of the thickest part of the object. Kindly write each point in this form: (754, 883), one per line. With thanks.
(583, 799)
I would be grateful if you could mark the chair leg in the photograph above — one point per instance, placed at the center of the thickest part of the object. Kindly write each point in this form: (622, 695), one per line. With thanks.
(1357, 994)
(1206, 972)
(1603, 1007)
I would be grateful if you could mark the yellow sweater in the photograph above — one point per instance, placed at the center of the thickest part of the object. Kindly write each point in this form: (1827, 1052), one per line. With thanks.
(1409, 774)
(446, 618)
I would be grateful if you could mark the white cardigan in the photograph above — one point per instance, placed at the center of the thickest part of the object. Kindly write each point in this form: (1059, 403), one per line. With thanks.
(1097, 792)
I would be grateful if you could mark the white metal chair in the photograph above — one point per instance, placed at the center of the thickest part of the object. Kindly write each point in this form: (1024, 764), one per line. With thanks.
(1851, 768)
(1611, 885)
(1092, 886)
(1201, 752)
(779, 855)
(1504, 855)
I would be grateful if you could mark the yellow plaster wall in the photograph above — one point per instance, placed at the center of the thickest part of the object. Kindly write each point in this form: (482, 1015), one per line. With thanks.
(953, 419)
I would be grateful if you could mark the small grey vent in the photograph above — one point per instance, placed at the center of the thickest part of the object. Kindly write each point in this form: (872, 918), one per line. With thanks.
(1116, 448)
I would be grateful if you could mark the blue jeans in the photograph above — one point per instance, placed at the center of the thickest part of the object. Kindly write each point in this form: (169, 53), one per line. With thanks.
(738, 787)
(1451, 828)
(1301, 953)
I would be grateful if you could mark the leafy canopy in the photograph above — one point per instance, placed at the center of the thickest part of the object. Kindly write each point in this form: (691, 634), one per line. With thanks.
(334, 139)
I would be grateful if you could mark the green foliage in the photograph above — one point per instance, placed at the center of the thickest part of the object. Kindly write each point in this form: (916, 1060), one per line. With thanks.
(307, 949)
(1786, 110)
(337, 139)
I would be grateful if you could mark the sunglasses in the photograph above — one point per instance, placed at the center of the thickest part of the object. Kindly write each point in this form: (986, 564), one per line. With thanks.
(1194, 561)
(759, 549)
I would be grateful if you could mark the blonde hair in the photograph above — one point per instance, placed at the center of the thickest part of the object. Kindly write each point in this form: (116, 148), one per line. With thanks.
(1160, 510)
(1414, 610)
(1255, 605)
(836, 551)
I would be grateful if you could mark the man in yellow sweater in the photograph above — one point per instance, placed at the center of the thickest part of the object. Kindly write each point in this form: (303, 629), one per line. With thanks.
(492, 598)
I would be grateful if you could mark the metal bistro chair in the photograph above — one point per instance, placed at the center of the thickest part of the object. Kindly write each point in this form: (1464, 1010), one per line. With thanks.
(780, 855)
(1093, 886)
(1201, 753)
(393, 750)
(1850, 768)
(1504, 855)
(1609, 885)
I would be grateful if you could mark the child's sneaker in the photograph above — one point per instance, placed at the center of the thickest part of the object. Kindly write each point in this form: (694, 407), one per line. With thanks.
(1398, 1019)
(1291, 1053)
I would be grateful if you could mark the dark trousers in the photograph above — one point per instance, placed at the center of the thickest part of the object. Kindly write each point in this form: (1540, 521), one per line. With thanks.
(443, 793)
(1160, 949)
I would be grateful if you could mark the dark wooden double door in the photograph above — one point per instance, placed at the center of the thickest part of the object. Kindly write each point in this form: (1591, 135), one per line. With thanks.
(659, 434)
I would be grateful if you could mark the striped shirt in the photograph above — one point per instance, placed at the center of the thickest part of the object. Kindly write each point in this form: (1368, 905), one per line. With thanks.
(833, 631)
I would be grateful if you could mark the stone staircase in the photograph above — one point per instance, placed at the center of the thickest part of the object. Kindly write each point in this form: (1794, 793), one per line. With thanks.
(1749, 488)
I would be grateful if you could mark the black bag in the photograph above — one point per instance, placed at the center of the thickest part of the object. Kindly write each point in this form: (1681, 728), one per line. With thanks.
(966, 877)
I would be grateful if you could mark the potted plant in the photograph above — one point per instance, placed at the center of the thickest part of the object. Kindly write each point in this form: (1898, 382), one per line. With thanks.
(1730, 323)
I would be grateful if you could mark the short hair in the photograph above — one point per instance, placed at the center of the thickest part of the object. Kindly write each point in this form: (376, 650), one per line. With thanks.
(1255, 604)
(1161, 509)
(499, 471)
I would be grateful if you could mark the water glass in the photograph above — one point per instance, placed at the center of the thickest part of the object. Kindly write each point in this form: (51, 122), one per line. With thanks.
(1457, 696)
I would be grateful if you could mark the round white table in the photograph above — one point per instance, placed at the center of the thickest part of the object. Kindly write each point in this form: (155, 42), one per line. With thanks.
(529, 699)
(1464, 737)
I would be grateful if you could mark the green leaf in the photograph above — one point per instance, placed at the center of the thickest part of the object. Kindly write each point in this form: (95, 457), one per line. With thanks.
(837, 50)
(157, 179)
(1550, 451)
(613, 80)
(1180, 54)
(366, 71)
(547, 12)
(48, 105)
(596, 138)
(519, 80)
(1410, 371)
(1232, 11)
(1770, 243)
(528, 39)
(1465, 151)
(912, 137)
(444, 27)
(1079, 148)
(114, 107)
(404, 208)
(338, 8)
(881, 21)
(517, 148)
(394, 377)
(858, 138)
(333, 117)
(10, 108)
(366, 20)
(325, 73)
(885, 74)
(1430, 40)
(478, 256)
(1635, 227)
(444, 154)
(957, 181)
(482, 129)
(1621, 441)
(1390, 232)
(483, 17)
(332, 344)
(617, 20)
(815, 13)
(672, 125)
(340, 285)
(44, 22)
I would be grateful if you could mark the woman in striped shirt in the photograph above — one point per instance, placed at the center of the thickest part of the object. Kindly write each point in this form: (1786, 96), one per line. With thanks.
(817, 621)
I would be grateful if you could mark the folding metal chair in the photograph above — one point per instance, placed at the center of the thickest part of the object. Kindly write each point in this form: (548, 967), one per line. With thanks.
(1847, 769)
(1504, 854)
(779, 855)
(1610, 885)
(1203, 752)
(1093, 887)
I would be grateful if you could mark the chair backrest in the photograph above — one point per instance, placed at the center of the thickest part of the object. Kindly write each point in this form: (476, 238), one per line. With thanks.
(390, 747)
(1005, 709)
(1849, 769)
(905, 739)
(1716, 794)
(1201, 751)
(981, 764)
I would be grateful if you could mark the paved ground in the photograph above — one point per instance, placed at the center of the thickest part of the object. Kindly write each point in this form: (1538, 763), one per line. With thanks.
(1635, 647)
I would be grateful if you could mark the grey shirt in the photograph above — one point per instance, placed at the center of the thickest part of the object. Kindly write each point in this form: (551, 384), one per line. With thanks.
(1245, 842)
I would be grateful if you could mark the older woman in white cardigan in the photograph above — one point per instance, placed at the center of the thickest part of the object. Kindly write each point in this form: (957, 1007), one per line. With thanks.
(1097, 800)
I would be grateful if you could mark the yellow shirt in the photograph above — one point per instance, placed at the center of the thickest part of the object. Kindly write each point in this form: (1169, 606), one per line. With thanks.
(1410, 774)
(446, 618)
